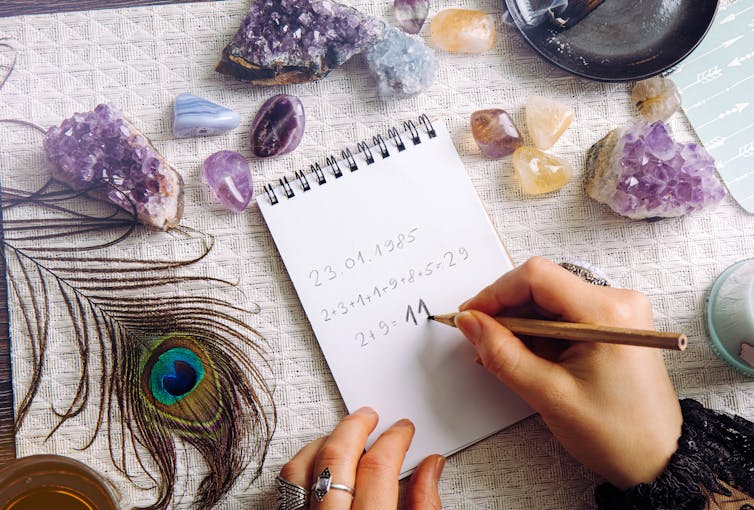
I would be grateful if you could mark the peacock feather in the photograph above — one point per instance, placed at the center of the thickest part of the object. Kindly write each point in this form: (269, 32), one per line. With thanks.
(164, 361)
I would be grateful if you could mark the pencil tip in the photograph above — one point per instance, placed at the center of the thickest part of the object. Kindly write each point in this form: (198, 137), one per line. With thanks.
(431, 318)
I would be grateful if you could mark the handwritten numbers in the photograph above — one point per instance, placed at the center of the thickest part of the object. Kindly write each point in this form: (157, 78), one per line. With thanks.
(361, 338)
(449, 257)
(411, 317)
(463, 252)
(314, 275)
(384, 327)
(326, 315)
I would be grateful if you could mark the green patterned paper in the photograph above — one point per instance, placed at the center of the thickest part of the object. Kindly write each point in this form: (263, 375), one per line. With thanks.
(717, 85)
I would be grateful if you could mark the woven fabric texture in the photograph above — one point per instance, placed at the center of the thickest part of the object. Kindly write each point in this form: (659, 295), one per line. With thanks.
(141, 58)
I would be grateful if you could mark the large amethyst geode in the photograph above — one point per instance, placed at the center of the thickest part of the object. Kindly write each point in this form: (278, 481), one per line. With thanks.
(296, 41)
(642, 173)
(104, 154)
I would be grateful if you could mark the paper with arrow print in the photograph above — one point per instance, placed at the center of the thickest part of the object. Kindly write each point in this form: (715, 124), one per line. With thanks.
(717, 86)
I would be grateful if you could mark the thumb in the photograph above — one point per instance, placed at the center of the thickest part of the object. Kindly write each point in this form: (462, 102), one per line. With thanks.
(506, 356)
(423, 493)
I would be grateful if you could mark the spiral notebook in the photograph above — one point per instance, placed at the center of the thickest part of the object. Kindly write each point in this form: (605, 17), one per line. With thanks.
(375, 241)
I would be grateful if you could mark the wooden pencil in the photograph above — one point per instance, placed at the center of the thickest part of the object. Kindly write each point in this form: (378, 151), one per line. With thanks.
(577, 332)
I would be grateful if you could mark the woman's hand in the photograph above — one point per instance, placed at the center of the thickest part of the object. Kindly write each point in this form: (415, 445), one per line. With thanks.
(373, 475)
(611, 406)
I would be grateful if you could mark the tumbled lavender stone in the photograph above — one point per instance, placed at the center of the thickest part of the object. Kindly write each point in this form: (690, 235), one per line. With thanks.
(196, 116)
(411, 14)
(642, 173)
(296, 41)
(103, 153)
(278, 126)
(402, 64)
(228, 175)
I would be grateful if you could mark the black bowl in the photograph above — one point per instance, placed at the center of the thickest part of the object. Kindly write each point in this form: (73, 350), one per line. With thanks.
(622, 40)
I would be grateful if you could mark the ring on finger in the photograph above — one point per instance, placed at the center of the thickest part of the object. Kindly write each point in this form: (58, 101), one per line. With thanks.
(324, 483)
(290, 495)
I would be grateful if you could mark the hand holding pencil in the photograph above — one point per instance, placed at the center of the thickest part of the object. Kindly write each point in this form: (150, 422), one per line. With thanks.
(611, 406)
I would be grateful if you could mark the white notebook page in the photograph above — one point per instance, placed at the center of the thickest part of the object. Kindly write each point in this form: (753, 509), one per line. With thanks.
(371, 254)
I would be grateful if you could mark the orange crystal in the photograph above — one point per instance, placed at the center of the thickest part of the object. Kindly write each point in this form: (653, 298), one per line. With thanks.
(538, 172)
(462, 31)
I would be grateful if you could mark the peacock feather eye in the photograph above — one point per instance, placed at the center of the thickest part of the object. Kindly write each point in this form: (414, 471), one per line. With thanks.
(179, 380)
(174, 374)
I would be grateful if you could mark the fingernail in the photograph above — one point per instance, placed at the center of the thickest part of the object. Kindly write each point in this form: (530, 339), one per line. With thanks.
(469, 326)
(365, 411)
(404, 423)
(439, 465)
(478, 360)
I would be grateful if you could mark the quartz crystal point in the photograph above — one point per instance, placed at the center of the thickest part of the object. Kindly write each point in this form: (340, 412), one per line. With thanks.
(495, 133)
(462, 31)
(640, 172)
(411, 14)
(402, 64)
(656, 98)
(103, 153)
(296, 41)
(546, 120)
(228, 175)
(538, 172)
(195, 116)
(278, 126)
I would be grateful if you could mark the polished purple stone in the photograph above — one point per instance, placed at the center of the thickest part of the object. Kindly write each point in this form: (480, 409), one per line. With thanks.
(278, 126)
(228, 175)
(411, 14)
(642, 173)
(101, 152)
(295, 41)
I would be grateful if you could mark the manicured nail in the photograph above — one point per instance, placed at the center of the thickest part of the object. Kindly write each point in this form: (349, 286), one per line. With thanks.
(365, 411)
(439, 465)
(469, 326)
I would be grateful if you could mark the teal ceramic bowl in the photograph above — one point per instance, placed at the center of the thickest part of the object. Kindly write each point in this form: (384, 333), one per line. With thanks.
(730, 314)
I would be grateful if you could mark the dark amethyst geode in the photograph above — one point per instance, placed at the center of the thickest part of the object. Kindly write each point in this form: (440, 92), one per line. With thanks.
(296, 41)
(104, 154)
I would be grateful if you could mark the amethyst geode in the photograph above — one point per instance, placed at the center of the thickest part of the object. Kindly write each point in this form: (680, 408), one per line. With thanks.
(642, 173)
(296, 41)
(103, 153)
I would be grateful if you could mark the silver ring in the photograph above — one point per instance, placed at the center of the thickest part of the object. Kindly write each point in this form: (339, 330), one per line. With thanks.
(324, 483)
(290, 495)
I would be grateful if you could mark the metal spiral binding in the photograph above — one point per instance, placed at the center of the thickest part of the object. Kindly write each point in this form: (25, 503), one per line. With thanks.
(362, 149)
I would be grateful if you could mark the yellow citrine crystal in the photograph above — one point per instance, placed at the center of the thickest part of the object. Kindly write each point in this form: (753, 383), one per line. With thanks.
(462, 31)
(546, 120)
(537, 172)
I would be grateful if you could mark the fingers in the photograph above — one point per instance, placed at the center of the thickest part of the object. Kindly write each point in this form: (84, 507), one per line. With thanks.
(560, 292)
(510, 360)
(422, 492)
(340, 453)
(377, 476)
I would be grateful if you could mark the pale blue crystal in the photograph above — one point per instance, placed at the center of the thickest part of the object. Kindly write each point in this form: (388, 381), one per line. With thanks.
(402, 64)
(195, 116)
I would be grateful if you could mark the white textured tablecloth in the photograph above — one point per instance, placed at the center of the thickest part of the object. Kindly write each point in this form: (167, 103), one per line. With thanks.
(141, 58)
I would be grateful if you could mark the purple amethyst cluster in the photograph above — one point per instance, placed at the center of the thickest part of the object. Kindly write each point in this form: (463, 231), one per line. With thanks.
(296, 41)
(642, 173)
(103, 153)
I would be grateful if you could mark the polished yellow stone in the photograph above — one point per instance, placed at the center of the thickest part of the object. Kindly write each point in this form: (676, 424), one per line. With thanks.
(546, 120)
(538, 172)
(462, 31)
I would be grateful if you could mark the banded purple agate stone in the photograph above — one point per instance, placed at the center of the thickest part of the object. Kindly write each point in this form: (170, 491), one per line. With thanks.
(296, 41)
(228, 175)
(278, 126)
(103, 153)
(640, 172)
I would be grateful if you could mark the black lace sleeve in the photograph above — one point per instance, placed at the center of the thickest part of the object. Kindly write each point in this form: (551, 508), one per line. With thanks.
(713, 448)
